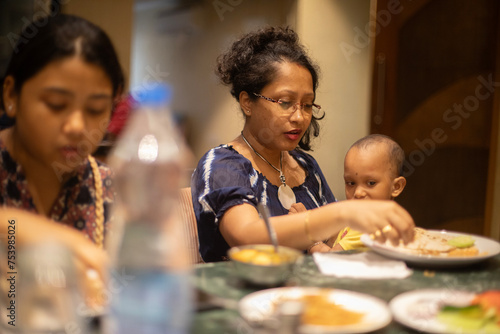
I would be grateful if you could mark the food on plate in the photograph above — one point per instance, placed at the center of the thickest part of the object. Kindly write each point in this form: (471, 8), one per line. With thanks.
(481, 315)
(263, 257)
(320, 311)
(462, 241)
(438, 244)
(489, 300)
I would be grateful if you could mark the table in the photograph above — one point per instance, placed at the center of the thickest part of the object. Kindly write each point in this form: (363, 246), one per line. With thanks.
(219, 279)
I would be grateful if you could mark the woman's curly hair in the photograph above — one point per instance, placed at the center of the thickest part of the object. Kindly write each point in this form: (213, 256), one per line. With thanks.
(250, 64)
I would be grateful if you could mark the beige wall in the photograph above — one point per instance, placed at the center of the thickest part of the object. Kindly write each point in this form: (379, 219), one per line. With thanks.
(182, 48)
(325, 26)
(113, 16)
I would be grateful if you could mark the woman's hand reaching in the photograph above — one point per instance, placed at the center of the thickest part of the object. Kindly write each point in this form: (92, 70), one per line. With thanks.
(383, 220)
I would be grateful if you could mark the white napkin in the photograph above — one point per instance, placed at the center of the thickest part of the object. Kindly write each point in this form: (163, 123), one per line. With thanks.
(366, 265)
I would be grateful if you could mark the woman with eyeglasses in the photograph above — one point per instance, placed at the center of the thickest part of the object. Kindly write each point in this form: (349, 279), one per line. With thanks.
(275, 82)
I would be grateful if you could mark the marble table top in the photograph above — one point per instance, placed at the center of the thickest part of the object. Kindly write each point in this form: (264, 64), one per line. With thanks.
(218, 279)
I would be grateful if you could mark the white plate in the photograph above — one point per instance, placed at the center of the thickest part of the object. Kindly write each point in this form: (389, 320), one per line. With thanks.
(487, 249)
(418, 309)
(259, 307)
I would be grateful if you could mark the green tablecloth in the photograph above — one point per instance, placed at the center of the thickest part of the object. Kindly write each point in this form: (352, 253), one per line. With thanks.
(218, 279)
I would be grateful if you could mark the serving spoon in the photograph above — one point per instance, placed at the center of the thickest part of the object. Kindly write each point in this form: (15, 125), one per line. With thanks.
(264, 212)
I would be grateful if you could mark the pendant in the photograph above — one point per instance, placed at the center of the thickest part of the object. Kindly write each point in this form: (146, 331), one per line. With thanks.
(286, 196)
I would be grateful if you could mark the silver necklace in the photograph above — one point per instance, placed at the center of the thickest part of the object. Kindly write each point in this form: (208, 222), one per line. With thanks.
(286, 195)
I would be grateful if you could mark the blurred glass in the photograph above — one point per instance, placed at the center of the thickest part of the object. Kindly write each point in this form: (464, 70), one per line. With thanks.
(47, 290)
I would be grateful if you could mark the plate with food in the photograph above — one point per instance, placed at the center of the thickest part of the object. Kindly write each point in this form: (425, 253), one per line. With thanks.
(323, 310)
(448, 311)
(438, 248)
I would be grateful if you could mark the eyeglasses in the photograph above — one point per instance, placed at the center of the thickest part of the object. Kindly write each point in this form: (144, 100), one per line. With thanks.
(289, 107)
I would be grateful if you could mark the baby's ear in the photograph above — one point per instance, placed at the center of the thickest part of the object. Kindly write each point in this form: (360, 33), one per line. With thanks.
(398, 184)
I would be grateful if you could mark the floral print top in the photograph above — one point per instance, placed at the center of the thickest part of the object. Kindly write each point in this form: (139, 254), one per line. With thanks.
(75, 204)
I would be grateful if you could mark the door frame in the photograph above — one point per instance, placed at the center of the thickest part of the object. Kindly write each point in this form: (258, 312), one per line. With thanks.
(492, 212)
(384, 79)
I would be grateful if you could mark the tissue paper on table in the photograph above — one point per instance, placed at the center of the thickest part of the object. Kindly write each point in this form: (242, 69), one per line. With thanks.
(360, 265)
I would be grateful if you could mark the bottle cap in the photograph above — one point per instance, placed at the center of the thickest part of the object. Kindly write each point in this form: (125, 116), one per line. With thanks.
(156, 95)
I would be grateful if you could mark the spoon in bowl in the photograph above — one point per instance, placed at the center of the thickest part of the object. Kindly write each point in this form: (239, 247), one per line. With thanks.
(264, 212)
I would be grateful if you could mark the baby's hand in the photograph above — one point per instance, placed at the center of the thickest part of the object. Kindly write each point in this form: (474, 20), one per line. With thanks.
(296, 208)
(319, 248)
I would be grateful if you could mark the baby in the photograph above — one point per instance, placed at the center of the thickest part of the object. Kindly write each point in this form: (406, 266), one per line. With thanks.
(372, 170)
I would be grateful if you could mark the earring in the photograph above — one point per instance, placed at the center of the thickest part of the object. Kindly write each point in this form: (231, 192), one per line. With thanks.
(9, 107)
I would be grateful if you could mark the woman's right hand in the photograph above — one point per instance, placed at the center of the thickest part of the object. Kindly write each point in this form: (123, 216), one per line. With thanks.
(390, 219)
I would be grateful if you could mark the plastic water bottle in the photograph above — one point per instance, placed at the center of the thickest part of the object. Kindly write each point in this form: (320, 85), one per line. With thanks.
(148, 162)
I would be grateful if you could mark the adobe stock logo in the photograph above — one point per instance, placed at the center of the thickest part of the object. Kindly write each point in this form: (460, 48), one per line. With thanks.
(223, 6)
(40, 19)
(154, 77)
(454, 117)
(379, 20)
(90, 140)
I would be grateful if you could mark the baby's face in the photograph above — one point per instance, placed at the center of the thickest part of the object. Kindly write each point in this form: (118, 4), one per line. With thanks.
(368, 173)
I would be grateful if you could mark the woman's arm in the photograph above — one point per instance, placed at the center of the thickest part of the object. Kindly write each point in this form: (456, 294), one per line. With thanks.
(318, 246)
(241, 224)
